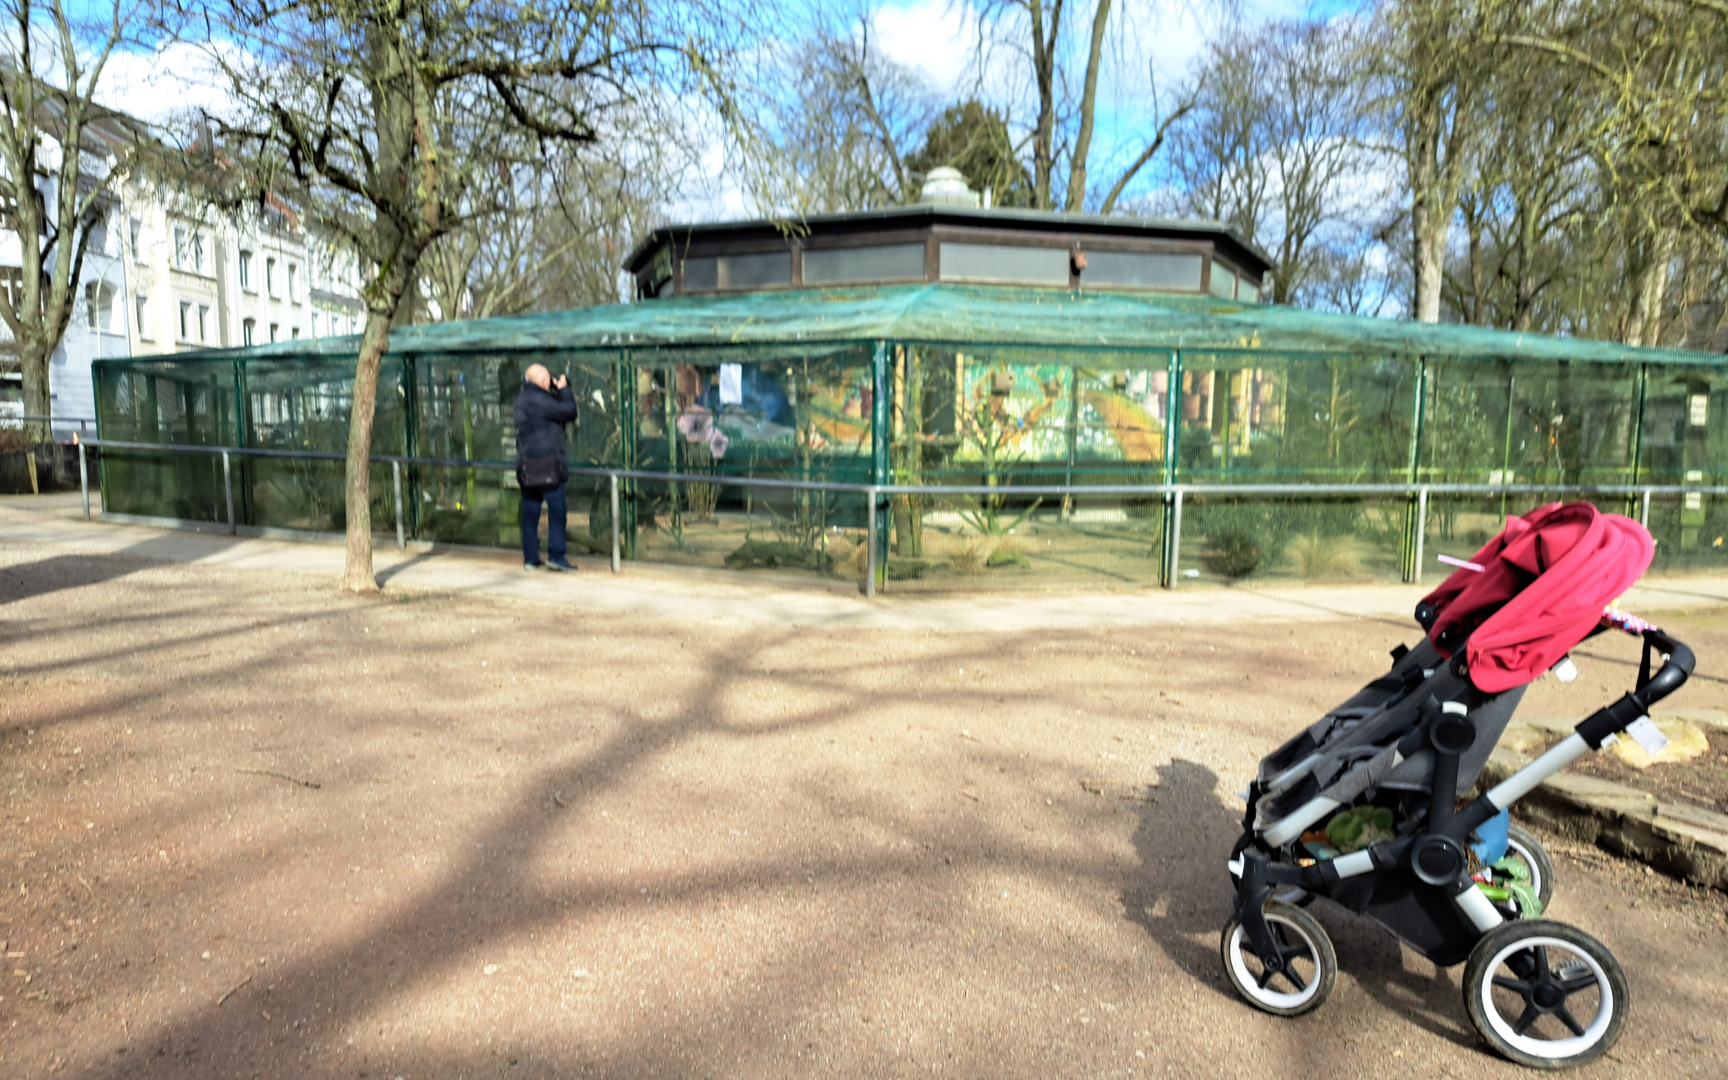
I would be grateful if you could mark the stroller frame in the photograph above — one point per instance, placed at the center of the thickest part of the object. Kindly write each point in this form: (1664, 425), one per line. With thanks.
(1419, 884)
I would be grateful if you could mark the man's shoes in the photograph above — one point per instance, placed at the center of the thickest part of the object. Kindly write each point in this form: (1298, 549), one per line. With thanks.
(532, 565)
(560, 566)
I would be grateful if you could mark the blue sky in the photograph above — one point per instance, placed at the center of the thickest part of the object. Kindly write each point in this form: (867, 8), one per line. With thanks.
(1153, 38)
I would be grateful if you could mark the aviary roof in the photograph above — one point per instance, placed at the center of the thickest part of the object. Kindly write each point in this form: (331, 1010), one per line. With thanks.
(923, 215)
(973, 316)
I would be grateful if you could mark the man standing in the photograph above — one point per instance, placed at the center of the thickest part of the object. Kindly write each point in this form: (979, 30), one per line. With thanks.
(542, 409)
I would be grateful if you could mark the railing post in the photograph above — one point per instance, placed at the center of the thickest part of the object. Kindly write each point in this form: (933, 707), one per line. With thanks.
(1421, 532)
(1644, 515)
(612, 482)
(1173, 552)
(228, 492)
(870, 546)
(84, 478)
(401, 533)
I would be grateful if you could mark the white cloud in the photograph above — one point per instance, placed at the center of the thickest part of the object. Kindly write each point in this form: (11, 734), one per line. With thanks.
(937, 38)
(169, 84)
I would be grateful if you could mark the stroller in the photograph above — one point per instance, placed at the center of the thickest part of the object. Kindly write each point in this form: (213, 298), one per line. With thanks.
(1364, 807)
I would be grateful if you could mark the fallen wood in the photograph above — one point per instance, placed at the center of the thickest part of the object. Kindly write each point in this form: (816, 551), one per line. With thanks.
(279, 776)
(231, 991)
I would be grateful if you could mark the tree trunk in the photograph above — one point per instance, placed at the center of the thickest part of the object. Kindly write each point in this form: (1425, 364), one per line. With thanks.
(1088, 108)
(1643, 321)
(1044, 74)
(357, 576)
(1429, 259)
(38, 398)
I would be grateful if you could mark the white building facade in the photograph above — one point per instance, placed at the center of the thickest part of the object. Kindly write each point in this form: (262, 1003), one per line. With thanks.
(159, 277)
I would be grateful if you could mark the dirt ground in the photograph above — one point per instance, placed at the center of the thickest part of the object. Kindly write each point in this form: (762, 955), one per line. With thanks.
(1701, 781)
(254, 830)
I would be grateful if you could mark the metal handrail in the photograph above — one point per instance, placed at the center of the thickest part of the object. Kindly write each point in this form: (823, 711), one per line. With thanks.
(1176, 494)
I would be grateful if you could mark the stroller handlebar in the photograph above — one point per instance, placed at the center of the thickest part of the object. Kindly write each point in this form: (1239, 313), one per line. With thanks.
(1675, 670)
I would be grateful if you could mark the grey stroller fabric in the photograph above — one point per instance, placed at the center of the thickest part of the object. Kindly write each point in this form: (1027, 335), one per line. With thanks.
(1352, 749)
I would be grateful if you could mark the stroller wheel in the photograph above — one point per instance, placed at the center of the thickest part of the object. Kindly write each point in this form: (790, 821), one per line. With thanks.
(1526, 847)
(1311, 967)
(1545, 994)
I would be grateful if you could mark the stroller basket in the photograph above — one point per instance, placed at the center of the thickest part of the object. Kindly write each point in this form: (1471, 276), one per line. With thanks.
(1363, 808)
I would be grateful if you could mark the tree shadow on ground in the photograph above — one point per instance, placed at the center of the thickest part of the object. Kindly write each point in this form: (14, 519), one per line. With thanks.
(25, 581)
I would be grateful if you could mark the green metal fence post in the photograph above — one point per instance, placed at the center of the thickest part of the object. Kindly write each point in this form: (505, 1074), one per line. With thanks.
(879, 447)
(1172, 525)
(401, 533)
(243, 437)
(411, 437)
(1415, 516)
(626, 377)
(1639, 396)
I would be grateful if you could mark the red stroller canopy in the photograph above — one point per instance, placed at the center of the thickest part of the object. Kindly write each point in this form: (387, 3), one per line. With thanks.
(1544, 583)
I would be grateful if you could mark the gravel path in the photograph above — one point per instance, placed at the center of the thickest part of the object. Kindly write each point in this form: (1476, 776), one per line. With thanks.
(251, 829)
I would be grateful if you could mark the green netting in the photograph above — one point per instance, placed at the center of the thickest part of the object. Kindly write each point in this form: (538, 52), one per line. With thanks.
(948, 385)
(974, 315)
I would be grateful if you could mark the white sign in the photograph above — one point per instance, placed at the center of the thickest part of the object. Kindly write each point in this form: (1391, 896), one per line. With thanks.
(1647, 735)
(731, 384)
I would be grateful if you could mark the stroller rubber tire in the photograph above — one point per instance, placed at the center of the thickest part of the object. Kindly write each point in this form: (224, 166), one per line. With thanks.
(1545, 988)
(1524, 844)
(1295, 928)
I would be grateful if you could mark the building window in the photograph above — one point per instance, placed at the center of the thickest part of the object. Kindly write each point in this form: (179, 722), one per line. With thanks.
(270, 276)
(294, 333)
(8, 212)
(1142, 270)
(845, 266)
(185, 318)
(248, 328)
(1698, 410)
(198, 252)
(314, 324)
(135, 233)
(179, 248)
(142, 303)
(737, 272)
(293, 284)
(246, 270)
(1223, 281)
(203, 322)
(1003, 263)
(275, 331)
(99, 305)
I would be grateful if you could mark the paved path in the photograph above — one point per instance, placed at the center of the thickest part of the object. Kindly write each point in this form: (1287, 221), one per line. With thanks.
(55, 522)
(251, 828)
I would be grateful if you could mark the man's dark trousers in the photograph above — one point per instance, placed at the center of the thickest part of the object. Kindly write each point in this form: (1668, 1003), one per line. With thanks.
(557, 514)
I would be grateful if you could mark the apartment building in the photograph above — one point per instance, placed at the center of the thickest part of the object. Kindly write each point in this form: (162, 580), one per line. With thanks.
(204, 281)
(161, 278)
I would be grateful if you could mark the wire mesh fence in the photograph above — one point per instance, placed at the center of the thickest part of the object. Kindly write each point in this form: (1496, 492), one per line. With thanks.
(1077, 534)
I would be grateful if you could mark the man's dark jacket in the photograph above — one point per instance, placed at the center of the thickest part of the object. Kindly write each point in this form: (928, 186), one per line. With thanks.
(540, 419)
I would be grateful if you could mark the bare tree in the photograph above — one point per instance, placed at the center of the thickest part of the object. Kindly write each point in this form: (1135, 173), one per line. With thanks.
(387, 120)
(1530, 196)
(1064, 125)
(1274, 145)
(1660, 140)
(61, 154)
(562, 230)
(836, 130)
(1429, 75)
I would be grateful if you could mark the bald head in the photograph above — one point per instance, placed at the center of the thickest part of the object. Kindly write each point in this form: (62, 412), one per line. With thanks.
(539, 376)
